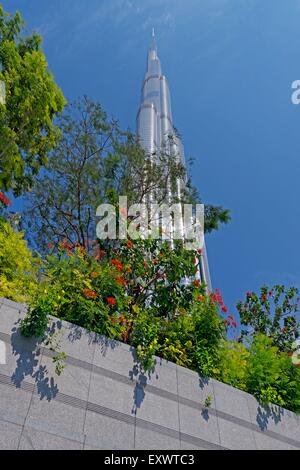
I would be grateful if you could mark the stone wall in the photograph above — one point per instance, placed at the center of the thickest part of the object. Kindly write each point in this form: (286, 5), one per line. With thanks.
(102, 401)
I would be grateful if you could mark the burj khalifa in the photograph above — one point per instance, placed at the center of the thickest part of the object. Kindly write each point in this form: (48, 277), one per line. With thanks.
(155, 126)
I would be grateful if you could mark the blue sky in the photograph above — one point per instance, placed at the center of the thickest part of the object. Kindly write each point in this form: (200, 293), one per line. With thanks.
(230, 66)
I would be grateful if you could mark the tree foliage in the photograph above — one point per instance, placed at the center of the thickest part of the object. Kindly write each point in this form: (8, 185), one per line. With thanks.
(272, 312)
(32, 100)
(18, 267)
(95, 162)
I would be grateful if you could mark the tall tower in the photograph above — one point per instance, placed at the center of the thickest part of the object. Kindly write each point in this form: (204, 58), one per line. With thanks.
(155, 125)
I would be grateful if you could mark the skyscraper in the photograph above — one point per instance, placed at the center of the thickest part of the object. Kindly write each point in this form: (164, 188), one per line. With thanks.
(155, 125)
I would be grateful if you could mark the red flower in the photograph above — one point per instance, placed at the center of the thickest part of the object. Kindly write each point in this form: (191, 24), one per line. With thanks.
(201, 298)
(234, 323)
(218, 291)
(224, 309)
(112, 320)
(129, 244)
(65, 245)
(116, 262)
(248, 294)
(5, 200)
(50, 245)
(111, 300)
(89, 293)
(227, 322)
(120, 281)
(270, 293)
(264, 297)
(122, 320)
(199, 251)
(196, 283)
(145, 264)
(231, 317)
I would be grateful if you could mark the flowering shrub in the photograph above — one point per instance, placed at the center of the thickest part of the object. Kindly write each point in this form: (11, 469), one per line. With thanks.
(134, 292)
(145, 294)
(82, 292)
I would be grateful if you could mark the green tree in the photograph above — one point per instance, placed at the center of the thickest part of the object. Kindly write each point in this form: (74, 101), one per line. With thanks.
(32, 100)
(272, 312)
(95, 162)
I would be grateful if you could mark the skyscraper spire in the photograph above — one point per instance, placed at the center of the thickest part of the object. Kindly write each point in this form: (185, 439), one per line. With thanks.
(153, 42)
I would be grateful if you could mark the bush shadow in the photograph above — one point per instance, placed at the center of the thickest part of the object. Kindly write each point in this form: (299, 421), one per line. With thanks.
(28, 352)
(267, 413)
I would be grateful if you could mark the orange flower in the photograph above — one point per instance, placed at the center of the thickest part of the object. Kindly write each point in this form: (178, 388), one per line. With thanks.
(120, 281)
(125, 335)
(95, 274)
(116, 262)
(65, 245)
(129, 244)
(196, 283)
(89, 293)
(201, 298)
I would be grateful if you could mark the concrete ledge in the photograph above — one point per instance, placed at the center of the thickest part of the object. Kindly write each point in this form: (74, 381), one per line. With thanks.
(103, 401)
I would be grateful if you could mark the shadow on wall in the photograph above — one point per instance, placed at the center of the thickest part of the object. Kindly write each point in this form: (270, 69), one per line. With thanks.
(28, 352)
(265, 413)
(140, 377)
